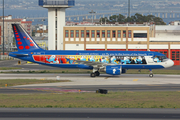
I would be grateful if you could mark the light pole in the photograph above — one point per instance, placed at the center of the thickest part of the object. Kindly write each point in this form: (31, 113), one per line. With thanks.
(129, 10)
(92, 12)
(43, 26)
(3, 27)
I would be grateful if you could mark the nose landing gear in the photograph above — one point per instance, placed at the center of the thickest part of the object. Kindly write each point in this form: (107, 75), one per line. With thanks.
(151, 74)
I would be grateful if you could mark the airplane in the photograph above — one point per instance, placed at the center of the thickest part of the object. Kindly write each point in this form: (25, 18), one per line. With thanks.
(111, 62)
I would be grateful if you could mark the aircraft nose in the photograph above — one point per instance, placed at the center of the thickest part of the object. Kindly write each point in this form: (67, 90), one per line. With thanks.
(170, 63)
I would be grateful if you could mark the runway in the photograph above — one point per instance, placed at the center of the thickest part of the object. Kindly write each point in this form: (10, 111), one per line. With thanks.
(94, 114)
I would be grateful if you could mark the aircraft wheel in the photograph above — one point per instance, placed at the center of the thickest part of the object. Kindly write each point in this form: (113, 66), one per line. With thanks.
(97, 73)
(151, 75)
(93, 74)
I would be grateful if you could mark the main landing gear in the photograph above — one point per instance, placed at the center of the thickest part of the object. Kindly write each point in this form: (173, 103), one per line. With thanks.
(97, 73)
(94, 74)
(151, 74)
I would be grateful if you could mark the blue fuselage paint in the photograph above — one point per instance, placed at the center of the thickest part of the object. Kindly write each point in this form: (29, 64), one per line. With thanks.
(119, 54)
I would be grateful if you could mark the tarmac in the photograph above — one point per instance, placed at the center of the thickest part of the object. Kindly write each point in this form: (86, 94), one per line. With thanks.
(83, 82)
(85, 79)
(126, 82)
(90, 114)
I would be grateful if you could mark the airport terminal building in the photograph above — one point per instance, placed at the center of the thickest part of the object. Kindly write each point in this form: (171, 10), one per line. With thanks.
(123, 37)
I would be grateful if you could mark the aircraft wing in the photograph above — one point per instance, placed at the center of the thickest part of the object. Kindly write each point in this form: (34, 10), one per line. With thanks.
(92, 63)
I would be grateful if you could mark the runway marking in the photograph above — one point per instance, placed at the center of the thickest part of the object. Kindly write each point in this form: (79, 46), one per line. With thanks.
(153, 85)
(135, 80)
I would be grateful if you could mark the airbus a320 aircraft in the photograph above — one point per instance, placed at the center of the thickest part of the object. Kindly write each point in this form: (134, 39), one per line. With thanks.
(111, 62)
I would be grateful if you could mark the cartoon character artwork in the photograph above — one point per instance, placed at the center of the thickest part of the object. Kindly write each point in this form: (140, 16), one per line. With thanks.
(126, 60)
(57, 61)
(71, 60)
(97, 60)
(156, 59)
(122, 60)
(144, 60)
(107, 59)
(103, 60)
(52, 59)
(139, 60)
(63, 60)
(118, 60)
(83, 58)
(113, 60)
(92, 59)
(67, 60)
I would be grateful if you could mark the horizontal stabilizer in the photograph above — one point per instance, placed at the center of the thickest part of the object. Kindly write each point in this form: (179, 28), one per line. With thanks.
(19, 54)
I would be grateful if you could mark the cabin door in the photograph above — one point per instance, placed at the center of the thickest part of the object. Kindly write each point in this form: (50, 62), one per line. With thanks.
(150, 58)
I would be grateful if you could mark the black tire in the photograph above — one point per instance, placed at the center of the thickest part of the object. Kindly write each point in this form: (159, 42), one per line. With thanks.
(93, 74)
(97, 73)
(151, 75)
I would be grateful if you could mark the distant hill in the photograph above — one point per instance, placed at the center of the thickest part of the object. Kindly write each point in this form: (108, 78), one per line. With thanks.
(103, 4)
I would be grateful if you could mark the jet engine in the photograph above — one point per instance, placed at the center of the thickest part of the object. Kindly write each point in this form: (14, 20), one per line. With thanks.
(124, 71)
(113, 69)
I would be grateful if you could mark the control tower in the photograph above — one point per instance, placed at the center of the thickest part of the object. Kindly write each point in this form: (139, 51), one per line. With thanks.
(56, 21)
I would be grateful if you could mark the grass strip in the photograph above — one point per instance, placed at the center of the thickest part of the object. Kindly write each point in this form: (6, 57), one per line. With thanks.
(16, 82)
(157, 71)
(93, 100)
(9, 68)
(81, 71)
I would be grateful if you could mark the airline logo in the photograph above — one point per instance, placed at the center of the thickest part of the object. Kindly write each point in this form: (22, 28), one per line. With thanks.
(23, 40)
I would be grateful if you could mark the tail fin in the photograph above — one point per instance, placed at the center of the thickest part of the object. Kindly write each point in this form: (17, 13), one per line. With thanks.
(24, 41)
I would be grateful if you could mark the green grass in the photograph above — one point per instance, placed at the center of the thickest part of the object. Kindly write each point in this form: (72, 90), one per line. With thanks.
(81, 71)
(9, 68)
(161, 71)
(93, 100)
(27, 81)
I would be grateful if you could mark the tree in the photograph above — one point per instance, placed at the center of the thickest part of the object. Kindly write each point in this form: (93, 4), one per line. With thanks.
(104, 19)
(139, 18)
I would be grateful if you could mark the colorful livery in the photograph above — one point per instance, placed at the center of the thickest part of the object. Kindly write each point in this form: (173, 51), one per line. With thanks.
(111, 62)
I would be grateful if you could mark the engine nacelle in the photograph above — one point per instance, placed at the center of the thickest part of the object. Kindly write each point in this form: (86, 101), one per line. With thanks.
(114, 69)
(124, 71)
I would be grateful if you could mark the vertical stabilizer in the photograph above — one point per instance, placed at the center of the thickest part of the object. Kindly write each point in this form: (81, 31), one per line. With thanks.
(24, 41)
